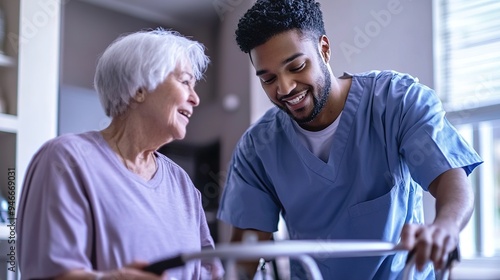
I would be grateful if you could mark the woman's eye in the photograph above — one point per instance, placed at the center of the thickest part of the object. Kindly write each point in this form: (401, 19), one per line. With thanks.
(188, 83)
(299, 68)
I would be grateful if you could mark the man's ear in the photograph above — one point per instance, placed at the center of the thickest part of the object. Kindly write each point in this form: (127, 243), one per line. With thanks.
(324, 48)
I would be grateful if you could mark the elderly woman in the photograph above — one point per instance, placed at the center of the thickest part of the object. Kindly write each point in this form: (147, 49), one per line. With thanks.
(104, 204)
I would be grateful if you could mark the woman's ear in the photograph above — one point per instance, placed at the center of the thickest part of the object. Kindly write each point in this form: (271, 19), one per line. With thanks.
(324, 48)
(140, 95)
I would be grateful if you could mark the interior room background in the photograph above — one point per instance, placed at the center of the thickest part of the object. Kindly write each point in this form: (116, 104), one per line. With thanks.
(47, 84)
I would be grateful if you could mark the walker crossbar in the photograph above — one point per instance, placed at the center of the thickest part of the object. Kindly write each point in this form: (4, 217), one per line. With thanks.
(295, 249)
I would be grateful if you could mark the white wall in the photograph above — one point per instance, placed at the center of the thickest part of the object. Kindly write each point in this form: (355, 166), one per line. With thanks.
(39, 40)
(81, 110)
(381, 34)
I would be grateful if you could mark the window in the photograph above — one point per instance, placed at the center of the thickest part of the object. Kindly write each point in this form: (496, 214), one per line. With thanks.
(467, 75)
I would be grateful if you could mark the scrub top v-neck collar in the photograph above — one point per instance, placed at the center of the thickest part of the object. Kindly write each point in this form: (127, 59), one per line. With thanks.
(329, 170)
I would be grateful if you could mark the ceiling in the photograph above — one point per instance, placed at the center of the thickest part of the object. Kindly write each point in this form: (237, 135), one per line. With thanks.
(161, 11)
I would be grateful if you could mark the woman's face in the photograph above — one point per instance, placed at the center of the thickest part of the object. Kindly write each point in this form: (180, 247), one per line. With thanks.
(169, 107)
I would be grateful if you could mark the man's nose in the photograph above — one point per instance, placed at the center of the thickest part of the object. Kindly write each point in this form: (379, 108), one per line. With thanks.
(285, 86)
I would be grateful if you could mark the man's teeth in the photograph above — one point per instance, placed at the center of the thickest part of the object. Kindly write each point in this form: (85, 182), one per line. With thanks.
(297, 99)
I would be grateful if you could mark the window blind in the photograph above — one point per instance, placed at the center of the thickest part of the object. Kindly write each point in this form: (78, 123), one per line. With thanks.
(469, 53)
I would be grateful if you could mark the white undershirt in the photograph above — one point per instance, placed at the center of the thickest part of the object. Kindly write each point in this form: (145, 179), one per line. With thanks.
(318, 142)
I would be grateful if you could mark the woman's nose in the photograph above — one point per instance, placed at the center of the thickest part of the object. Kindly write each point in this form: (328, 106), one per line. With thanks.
(194, 98)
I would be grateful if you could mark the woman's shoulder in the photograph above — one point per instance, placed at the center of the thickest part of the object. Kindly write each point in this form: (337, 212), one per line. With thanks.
(71, 142)
(176, 174)
(171, 165)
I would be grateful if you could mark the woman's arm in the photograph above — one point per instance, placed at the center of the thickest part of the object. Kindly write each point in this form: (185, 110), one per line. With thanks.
(132, 271)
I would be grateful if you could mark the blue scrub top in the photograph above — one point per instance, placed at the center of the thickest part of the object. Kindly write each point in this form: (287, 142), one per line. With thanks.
(392, 141)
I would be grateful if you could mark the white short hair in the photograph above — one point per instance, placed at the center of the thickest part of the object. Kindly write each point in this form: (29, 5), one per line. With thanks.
(143, 60)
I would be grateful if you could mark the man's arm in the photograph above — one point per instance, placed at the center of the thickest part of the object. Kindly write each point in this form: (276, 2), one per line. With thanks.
(238, 235)
(454, 207)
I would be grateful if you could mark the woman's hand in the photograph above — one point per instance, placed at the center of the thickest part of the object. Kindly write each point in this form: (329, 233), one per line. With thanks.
(132, 271)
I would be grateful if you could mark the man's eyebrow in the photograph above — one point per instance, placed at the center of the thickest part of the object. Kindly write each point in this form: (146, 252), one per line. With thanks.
(291, 58)
(288, 60)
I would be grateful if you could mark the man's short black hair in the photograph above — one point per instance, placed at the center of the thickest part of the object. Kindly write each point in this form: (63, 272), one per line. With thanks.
(267, 18)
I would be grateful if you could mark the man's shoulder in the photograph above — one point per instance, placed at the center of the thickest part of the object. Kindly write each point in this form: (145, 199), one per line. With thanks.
(388, 84)
(268, 128)
(270, 119)
(386, 75)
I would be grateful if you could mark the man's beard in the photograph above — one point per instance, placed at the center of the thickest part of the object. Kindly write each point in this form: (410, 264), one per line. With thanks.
(320, 100)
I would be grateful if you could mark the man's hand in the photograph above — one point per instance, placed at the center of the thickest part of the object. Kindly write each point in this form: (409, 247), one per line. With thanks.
(454, 206)
(247, 268)
(430, 243)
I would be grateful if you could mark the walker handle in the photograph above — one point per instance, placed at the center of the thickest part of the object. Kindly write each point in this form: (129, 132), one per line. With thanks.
(443, 274)
(159, 267)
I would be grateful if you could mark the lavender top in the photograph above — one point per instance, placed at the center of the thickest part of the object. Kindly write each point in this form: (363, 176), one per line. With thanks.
(80, 208)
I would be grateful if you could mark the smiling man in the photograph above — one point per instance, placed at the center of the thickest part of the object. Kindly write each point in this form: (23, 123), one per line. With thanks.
(343, 157)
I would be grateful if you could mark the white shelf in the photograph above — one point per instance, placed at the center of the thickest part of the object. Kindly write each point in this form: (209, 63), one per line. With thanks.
(4, 231)
(8, 123)
(6, 61)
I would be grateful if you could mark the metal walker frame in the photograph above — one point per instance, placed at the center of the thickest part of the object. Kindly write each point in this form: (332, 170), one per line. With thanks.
(300, 250)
